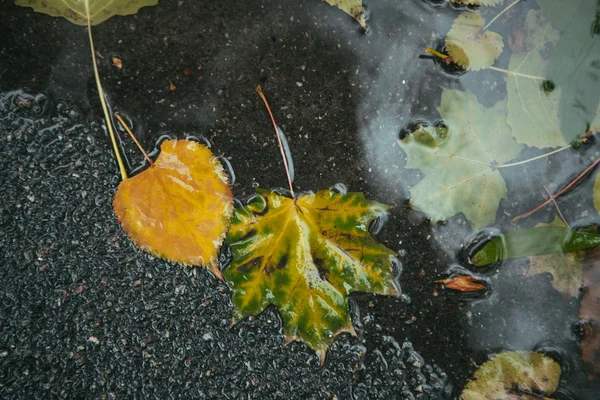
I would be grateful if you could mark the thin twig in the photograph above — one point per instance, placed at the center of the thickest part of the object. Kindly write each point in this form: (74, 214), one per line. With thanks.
(557, 207)
(102, 101)
(574, 181)
(499, 14)
(508, 72)
(124, 125)
(285, 162)
(534, 158)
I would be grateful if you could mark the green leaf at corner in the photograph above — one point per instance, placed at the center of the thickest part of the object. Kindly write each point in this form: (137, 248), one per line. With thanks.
(461, 173)
(77, 11)
(514, 375)
(306, 257)
(469, 45)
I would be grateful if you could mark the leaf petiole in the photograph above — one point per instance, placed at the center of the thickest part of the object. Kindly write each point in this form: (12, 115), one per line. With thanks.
(124, 125)
(285, 161)
(102, 101)
(500, 14)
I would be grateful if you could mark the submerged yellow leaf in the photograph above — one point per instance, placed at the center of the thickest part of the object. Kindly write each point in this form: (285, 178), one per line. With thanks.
(514, 375)
(180, 208)
(566, 268)
(469, 45)
(78, 11)
(306, 257)
(354, 8)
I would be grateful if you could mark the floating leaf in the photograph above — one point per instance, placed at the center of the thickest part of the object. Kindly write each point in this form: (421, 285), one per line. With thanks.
(469, 45)
(306, 257)
(78, 11)
(477, 2)
(180, 207)
(564, 267)
(354, 8)
(463, 283)
(461, 170)
(514, 375)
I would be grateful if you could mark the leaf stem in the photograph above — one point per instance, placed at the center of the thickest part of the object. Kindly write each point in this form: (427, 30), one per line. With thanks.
(124, 125)
(499, 14)
(534, 158)
(574, 181)
(508, 72)
(557, 207)
(102, 101)
(435, 53)
(285, 162)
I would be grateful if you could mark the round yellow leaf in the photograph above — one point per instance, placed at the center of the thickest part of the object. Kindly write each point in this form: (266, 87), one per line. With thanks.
(179, 208)
(469, 45)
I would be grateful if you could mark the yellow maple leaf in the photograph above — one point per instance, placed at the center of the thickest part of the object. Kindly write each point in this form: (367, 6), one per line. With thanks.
(179, 208)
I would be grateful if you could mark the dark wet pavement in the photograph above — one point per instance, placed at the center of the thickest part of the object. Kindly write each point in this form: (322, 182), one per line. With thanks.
(84, 314)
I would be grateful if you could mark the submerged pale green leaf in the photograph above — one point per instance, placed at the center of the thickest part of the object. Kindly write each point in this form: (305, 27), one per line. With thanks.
(78, 11)
(514, 375)
(574, 63)
(306, 257)
(460, 169)
(538, 116)
(469, 45)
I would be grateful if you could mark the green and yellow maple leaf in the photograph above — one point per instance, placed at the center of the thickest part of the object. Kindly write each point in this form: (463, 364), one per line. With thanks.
(79, 11)
(469, 45)
(354, 8)
(306, 257)
(514, 375)
(461, 169)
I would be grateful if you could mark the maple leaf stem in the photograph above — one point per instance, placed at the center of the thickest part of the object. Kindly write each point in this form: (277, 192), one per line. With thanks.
(508, 72)
(534, 158)
(285, 162)
(124, 125)
(500, 14)
(102, 101)
(574, 181)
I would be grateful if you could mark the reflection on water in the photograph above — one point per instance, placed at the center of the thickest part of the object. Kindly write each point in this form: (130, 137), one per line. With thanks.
(402, 96)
